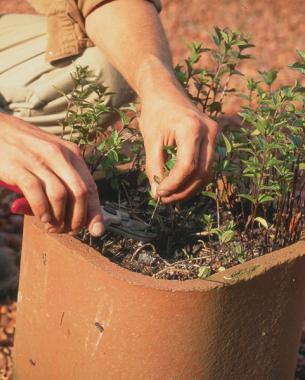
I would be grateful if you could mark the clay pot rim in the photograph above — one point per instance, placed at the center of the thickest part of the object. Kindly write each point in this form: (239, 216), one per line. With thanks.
(241, 272)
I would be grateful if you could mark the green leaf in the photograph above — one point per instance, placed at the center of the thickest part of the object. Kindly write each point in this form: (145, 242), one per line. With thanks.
(248, 197)
(261, 221)
(124, 117)
(170, 163)
(215, 107)
(101, 146)
(181, 76)
(302, 166)
(227, 236)
(264, 198)
(152, 202)
(227, 144)
(301, 54)
(298, 66)
(256, 132)
(246, 56)
(261, 125)
(269, 76)
(209, 194)
(204, 272)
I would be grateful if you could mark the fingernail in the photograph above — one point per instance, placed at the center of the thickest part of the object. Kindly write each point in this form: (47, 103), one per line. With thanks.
(97, 229)
(52, 230)
(163, 193)
(153, 190)
(46, 218)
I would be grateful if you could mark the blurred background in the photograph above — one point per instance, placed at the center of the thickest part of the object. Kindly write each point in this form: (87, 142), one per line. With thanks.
(277, 28)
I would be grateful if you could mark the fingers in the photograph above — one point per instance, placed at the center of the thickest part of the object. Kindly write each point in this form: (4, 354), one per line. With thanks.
(68, 194)
(94, 219)
(201, 175)
(186, 165)
(196, 182)
(155, 159)
(57, 195)
(76, 209)
(33, 190)
(186, 192)
(52, 176)
(70, 190)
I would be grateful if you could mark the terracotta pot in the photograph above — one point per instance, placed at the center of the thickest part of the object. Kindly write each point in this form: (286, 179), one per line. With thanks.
(80, 316)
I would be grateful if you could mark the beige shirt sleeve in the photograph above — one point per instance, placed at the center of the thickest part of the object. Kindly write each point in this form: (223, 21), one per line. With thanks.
(87, 6)
(66, 25)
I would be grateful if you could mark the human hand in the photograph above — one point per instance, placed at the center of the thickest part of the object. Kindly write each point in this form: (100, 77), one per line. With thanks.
(169, 118)
(52, 175)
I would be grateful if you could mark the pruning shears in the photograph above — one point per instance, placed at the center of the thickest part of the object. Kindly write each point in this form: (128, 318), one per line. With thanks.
(116, 220)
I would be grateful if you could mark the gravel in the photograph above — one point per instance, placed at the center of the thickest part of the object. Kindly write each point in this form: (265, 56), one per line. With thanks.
(10, 246)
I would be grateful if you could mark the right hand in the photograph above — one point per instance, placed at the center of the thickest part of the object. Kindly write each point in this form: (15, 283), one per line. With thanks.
(52, 175)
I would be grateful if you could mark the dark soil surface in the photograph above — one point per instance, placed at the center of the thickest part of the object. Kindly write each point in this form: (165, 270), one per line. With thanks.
(181, 249)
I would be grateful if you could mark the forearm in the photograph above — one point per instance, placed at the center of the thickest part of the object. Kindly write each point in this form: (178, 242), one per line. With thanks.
(131, 36)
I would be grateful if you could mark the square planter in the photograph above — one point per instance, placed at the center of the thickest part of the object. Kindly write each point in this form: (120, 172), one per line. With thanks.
(81, 316)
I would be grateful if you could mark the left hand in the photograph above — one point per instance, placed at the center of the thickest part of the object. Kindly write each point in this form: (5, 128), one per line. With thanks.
(169, 118)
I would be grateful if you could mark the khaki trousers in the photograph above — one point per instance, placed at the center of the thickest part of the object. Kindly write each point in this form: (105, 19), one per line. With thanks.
(29, 85)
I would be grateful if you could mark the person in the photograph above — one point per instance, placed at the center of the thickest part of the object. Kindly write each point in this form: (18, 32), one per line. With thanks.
(124, 43)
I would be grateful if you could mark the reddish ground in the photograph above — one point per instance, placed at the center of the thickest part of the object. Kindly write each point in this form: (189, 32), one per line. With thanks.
(278, 29)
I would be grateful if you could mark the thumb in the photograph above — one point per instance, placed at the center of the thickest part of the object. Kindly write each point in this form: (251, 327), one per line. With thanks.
(155, 159)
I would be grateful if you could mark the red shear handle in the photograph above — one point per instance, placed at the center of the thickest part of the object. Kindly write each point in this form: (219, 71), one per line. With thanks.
(15, 189)
(20, 205)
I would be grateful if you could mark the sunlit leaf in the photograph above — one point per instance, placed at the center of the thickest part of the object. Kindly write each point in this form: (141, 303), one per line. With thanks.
(261, 221)
(204, 272)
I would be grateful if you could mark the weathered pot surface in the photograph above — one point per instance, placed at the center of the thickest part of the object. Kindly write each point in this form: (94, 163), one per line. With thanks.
(81, 316)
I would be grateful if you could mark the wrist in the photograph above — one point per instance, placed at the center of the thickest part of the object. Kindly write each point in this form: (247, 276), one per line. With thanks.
(155, 77)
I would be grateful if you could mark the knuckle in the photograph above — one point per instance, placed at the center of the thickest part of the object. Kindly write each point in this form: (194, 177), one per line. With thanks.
(202, 124)
(195, 124)
(92, 188)
(28, 182)
(80, 191)
(75, 149)
(188, 166)
(54, 149)
(59, 194)
(39, 208)
(213, 127)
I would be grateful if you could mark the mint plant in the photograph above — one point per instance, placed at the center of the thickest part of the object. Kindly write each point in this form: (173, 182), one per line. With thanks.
(254, 203)
(208, 88)
(260, 166)
(85, 117)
